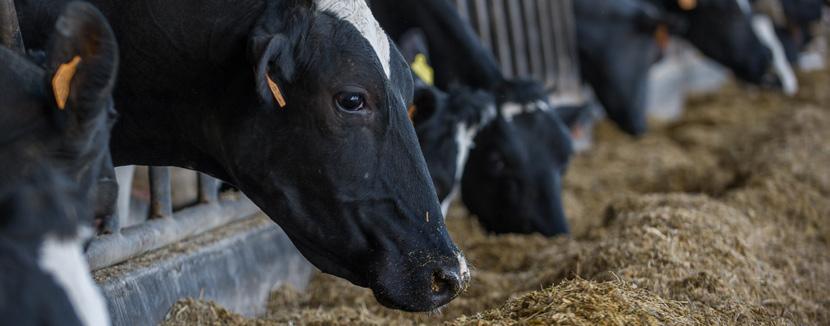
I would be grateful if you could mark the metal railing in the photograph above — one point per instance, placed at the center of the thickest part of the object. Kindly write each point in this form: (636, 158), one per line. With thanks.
(531, 39)
(163, 226)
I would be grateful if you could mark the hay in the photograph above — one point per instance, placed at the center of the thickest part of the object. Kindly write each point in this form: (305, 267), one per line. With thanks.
(190, 312)
(721, 218)
(581, 302)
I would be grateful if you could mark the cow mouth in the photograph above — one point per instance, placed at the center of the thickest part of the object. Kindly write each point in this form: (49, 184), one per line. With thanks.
(427, 289)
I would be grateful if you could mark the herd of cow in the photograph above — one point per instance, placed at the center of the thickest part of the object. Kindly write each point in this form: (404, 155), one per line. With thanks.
(352, 124)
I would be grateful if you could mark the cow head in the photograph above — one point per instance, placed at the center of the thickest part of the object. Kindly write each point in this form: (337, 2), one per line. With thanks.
(446, 124)
(331, 155)
(44, 277)
(72, 95)
(513, 178)
(616, 53)
(726, 31)
(53, 137)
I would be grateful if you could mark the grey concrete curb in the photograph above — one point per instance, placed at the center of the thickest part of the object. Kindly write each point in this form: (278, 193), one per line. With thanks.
(236, 266)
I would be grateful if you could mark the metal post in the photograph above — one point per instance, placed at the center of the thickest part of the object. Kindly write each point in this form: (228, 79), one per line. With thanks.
(504, 51)
(160, 199)
(208, 188)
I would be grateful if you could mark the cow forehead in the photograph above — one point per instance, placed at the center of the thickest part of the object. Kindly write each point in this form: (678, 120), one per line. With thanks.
(357, 13)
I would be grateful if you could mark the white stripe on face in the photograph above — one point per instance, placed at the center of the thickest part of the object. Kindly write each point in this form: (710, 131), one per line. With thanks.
(357, 13)
(762, 25)
(64, 260)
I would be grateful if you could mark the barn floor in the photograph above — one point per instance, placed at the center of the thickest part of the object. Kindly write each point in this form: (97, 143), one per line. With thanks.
(720, 218)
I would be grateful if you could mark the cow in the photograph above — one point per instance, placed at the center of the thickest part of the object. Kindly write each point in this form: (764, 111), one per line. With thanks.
(727, 32)
(618, 41)
(446, 122)
(300, 104)
(53, 128)
(513, 178)
(793, 20)
(86, 108)
(459, 58)
(103, 190)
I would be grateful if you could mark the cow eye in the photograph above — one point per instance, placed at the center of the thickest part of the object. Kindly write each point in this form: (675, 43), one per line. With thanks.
(350, 101)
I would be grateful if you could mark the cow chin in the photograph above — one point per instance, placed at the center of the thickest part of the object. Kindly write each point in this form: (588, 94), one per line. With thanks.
(408, 260)
(416, 281)
(423, 284)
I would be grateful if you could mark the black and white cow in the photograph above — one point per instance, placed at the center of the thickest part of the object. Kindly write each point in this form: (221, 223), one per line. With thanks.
(618, 42)
(793, 20)
(513, 179)
(52, 130)
(446, 122)
(300, 104)
(459, 58)
(729, 33)
(81, 161)
(44, 278)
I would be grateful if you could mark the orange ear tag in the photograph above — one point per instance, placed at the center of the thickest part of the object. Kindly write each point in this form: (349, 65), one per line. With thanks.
(275, 90)
(662, 37)
(411, 112)
(62, 81)
(687, 4)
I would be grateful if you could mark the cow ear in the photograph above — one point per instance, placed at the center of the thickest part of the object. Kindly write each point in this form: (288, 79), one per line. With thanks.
(275, 66)
(424, 104)
(81, 61)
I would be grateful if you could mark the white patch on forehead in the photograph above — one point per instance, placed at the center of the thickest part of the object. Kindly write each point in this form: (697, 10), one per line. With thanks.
(762, 25)
(510, 109)
(357, 13)
(64, 260)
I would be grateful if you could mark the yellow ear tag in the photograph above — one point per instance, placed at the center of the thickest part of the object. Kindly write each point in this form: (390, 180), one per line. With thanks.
(687, 4)
(411, 112)
(422, 69)
(63, 79)
(275, 90)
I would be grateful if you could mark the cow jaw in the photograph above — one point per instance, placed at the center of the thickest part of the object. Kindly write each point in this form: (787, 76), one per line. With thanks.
(64, 260)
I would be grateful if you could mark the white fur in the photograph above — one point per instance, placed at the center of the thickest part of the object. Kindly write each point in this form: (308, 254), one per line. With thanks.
(762, 25)
(64, 260)
(463, 269)
(510, 109)
(357, 13)
(464, 137)
(464, 143)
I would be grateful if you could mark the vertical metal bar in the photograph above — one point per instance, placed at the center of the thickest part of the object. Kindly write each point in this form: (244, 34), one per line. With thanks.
(546, 28)
(502, 38)
(483, 20)
(537, 67)
(518, 34)
(560, 50)
(208, 188)
(573, 72)
(160, 199)
(463, 10)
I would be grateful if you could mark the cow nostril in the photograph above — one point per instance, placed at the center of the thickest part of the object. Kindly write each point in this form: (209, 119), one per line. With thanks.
(445, 284)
